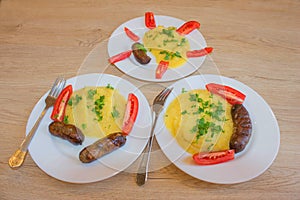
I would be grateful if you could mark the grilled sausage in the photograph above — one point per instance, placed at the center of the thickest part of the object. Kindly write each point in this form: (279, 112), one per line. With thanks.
(140, 53)
(242, 128)
(66, 131)
(102, 147)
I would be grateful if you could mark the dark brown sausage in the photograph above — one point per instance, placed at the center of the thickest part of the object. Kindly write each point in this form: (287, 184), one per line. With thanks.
(102, 147)
(242, 128)
(140, 53)
(66, 131)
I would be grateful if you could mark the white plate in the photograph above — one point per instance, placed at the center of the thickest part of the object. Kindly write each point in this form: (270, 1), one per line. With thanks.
(253, 161)
(119, 42)
(59, 158)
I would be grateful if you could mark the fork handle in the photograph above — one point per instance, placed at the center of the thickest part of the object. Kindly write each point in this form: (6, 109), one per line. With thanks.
(142, 174)
(17, 159)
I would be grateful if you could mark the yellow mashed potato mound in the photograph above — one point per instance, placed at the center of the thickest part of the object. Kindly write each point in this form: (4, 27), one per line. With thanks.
(200, 121)
(166, 44)
(96, 111)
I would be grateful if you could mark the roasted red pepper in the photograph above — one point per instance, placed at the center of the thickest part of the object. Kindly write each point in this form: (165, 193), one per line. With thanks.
(199, 53)
(120, 56)
(161, 69)
(131, 35)
(232, 96)
(212, 158)
(188, 27)
(60, 105)
(150, 20)
(131, 112)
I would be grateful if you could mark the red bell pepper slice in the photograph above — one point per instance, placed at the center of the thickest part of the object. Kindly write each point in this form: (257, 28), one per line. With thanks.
(212, 158)
(232, 96)
(131, 112)
(131, 35)
(199, 53)
(58, 112)
(150, 20)
(120, 56)
(161, 69)
(188, 27)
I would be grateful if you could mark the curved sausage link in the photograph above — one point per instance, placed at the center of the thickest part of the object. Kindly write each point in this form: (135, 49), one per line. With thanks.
(242, 128)
(139, 54)
(66, 131)
(102, 147)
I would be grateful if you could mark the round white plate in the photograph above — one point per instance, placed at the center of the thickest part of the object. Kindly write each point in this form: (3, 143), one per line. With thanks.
(120, 42)
(59, 158)
(256, 157)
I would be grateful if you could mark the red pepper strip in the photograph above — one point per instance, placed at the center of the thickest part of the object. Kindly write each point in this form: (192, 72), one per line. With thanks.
(188, 27)
(120, 56)
(131, 112)
(211, 158)
(131, 35)
(58, 112)
(149, 20)
(232, 95)
(199, 53)
(161, 69)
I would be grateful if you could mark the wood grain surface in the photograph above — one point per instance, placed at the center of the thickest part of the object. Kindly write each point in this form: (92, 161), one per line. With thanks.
(256, 42)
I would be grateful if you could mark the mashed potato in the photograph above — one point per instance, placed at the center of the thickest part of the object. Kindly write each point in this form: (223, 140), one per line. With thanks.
(200, 121)
(166, 44)
(97, 111)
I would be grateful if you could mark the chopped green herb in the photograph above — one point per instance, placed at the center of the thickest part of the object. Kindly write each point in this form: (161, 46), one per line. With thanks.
(199, 111)
(141, 47)
(170, 55)
(194, 97)
(73, 101)
(91, 93)
(168, 32)
(115, 113)
(169, 41)
(83, 126)
(109, 86)
(184, 112)
(183, 40)
(66, 119)
(177, 54)
(183, 90)
(99, 104)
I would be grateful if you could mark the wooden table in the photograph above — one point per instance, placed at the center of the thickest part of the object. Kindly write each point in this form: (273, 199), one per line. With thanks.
(255, 42)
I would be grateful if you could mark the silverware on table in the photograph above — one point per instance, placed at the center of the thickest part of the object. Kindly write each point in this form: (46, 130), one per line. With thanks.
(157, 107)
(17, 159)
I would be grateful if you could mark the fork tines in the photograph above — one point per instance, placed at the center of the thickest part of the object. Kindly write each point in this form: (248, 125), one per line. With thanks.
(163, 94)
(58, 85)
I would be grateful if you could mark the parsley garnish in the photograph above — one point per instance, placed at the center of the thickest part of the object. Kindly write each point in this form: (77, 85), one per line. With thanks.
(168, 32)
(66, 119)
(115, 113)
(91, 93)
(83, 126)
(73, 101)
(109, 86)
(99, 104)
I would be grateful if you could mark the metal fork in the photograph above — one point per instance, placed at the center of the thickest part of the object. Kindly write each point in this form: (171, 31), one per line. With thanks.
(157, 107)
(17, 159)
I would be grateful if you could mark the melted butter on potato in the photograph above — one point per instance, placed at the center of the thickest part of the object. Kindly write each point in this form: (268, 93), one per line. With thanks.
(200, 121)
(166, 44)
(97, 111)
